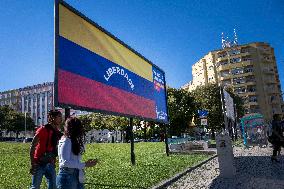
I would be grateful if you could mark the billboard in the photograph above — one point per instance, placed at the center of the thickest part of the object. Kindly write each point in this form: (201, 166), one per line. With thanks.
(229, 105)
(95, 71)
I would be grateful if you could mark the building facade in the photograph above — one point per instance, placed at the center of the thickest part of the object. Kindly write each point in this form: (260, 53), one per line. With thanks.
(249, 69)
(34, 100)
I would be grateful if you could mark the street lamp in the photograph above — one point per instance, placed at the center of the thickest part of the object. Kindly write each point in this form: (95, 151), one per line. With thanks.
(39, 121)
(25, 127)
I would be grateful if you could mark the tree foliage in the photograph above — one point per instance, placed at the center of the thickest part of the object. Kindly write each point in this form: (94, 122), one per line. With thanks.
(181, 109)
(11, 120)
(209, 98)
(100, 121)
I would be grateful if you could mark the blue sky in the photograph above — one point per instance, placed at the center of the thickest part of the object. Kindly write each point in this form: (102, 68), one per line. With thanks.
(173, 34)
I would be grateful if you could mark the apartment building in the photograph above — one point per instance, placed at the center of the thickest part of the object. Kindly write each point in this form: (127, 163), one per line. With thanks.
(35, 100)
(251, 71)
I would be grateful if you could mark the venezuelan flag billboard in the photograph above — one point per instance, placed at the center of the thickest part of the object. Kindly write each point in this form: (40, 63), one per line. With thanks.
(95, 71)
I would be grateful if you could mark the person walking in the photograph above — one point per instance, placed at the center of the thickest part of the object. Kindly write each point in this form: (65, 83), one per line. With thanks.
(70, 149)
(276, 137)
(43, 151)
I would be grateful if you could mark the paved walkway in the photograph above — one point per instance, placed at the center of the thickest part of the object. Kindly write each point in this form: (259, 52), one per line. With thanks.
(254, 171)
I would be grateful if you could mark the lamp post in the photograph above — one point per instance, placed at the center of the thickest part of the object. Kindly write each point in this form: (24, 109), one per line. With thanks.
(25, 127)
(39, 121)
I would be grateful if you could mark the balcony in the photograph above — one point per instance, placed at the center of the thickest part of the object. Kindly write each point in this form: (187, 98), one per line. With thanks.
(252, 103)
(247, 62)
(246, 74)
(251, 93)
(272, 91)
(240, 84)
(274, 102)
(270, 81)
(226, 77)
(224, 67)
(268, 71)
(221, 59)
(245, 50)
(242, 64)
(266, 59)
(265, 51)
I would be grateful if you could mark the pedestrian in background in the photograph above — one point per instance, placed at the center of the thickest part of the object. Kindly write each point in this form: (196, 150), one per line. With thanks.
(276, 137)
(70, 149)
(43, 151)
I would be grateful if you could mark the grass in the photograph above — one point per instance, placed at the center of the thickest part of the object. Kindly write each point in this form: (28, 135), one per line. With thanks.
(114, 169)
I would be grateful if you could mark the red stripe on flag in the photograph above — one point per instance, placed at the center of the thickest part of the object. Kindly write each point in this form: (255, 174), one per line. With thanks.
(75, 90)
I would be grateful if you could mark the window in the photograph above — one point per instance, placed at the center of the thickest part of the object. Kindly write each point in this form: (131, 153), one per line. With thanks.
(245, 50)
(226, 82)
(221, 55)
(246, 58)
(237, 71)
(250, 79)
(270, 87)
(248, 69)
(234, 52)
(235, 60)
(255, 109)
(223, 62)
(239, 80)
(266, 58)
(224, 73)
(272, 98)
(240, 90)
(252, 99)
(251, 89)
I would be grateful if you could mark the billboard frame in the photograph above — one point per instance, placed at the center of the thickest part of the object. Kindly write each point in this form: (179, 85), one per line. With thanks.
(56, 48)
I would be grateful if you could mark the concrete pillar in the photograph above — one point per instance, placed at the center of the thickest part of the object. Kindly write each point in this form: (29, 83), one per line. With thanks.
(225, 155)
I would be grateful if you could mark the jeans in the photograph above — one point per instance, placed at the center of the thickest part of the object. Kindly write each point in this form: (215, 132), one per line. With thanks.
(48, 171)
(68, 178)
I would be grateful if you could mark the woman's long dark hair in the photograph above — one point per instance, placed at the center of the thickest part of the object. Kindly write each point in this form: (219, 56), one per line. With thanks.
(74, 130)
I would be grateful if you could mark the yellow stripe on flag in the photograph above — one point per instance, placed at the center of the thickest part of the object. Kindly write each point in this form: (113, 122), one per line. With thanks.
(79, 31)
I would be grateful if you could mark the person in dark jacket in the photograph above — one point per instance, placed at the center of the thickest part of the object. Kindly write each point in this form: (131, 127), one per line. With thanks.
(277, 138)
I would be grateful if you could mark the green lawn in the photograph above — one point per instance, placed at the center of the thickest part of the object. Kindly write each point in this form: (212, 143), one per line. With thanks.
(114, 169)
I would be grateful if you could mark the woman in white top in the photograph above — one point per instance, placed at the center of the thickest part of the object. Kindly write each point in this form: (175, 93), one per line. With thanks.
(70, 149)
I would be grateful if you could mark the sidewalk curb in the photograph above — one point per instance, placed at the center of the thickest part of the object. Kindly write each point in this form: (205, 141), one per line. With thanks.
(168, 182)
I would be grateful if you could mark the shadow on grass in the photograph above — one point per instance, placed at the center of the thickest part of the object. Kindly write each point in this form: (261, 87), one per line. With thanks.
(253, 172)
(96, 185)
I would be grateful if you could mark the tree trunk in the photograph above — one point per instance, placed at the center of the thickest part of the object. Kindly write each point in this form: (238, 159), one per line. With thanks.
(145, 132)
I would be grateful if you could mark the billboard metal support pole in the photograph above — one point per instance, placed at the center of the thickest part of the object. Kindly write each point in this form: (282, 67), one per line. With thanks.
(132, 142)
(25, 127)
(166, 139)
(67, 113)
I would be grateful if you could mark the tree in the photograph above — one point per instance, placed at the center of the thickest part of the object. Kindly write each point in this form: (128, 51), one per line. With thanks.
(94, 121)
(86, 121)
(4, 114)
(181, 109)
(17, 123)
(209, 98)
(14, 121)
